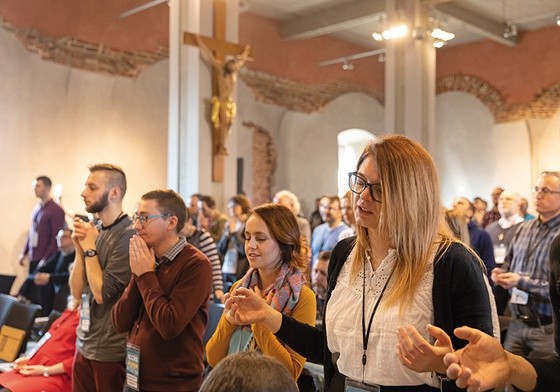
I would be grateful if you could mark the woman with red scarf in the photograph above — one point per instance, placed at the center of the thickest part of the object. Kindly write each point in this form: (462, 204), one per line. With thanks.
(277, 254)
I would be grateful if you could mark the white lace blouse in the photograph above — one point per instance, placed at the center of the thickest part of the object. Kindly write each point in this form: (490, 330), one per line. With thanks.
(344, 326)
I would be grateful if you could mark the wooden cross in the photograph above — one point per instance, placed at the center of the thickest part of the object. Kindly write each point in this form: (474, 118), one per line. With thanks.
(220, 49)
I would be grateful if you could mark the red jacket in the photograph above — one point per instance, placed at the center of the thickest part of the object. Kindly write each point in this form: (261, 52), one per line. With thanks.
(60, 347)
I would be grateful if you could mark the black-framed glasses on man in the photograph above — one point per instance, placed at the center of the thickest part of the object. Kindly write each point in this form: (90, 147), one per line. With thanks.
(358, 184)
(545, 191)
(143, 219)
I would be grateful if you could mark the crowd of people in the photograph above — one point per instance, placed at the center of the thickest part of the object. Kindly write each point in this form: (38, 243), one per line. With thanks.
(383, 287)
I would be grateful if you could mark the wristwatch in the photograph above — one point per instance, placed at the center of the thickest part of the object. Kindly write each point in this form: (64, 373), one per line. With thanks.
(90, 253)
(45, 372)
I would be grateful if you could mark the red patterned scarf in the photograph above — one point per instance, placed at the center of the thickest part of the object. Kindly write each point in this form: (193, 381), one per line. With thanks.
(288, 284)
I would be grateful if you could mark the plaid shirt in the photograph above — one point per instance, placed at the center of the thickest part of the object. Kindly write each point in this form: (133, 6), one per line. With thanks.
(172, 252)
(527, 255)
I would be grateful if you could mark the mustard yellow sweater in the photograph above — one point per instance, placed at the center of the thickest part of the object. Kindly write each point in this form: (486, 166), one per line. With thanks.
(218, 345)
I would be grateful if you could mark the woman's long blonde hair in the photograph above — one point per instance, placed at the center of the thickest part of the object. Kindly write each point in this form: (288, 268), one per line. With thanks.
(411, 213)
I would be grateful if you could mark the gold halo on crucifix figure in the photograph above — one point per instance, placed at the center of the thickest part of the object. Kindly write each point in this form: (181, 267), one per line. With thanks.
(223, 108)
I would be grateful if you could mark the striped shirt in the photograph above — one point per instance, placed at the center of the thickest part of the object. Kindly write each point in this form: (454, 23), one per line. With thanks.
(203, 240)
(527, 255)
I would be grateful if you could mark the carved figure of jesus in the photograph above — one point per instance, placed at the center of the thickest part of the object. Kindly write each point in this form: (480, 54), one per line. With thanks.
(223, 108)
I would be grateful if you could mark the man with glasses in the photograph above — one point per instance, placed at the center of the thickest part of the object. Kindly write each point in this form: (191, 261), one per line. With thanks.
(525, 272)
(164, 307)
(51, 276)
(325, 236)
(100, 274)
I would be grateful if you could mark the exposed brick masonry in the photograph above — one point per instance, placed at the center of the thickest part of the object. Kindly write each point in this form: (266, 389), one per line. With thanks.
(291, 95)
(84, 55)
(264, 164)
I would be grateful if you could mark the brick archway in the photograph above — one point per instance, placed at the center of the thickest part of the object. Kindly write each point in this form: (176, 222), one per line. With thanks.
(545, 104)
(264, 164)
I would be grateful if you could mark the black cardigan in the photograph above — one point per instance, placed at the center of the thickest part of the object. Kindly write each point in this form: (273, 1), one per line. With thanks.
(459, 294)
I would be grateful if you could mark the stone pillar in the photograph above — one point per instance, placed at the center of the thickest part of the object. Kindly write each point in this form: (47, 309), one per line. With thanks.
(410, 69)
(189, 133)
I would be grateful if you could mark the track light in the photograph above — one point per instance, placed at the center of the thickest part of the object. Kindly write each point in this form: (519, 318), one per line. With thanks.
(442, 35)
(510, 30)
(394, 32)
(347, 65)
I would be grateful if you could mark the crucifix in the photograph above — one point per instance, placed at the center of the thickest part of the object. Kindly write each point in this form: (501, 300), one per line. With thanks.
(224, 75)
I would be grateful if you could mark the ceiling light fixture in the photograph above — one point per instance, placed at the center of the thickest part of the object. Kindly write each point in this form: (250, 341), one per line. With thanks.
(394, 32)
(442, 35)
(510, 30)
(558, 20)
(347, 65)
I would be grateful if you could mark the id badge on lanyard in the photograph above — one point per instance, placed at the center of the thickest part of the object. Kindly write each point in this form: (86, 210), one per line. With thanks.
(85, 316)
(357, 386)
(132, 366)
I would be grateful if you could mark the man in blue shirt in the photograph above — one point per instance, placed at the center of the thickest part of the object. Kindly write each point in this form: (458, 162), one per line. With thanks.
(525, 272)
(325, 236)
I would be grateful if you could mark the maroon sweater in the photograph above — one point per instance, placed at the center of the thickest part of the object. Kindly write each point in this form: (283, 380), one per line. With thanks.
(166, 314)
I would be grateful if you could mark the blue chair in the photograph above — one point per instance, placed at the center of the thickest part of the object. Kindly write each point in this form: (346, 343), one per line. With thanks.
(6, 282)
(215, 311)
(6, 303)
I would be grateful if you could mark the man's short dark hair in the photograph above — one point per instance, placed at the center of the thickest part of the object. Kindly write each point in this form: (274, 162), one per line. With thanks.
(249, 371)
(208, 200)
(115, 175)
(45, 180)
(334, 199)
(169, 202)
(324, 255)
(242, 201)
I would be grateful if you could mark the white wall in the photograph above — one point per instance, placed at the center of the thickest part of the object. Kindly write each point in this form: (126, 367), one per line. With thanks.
(465, 151)
(308, 148)
(267, 116)
(56, 121)
(474, 154)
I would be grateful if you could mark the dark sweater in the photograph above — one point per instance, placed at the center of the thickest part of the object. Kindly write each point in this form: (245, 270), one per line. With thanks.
(166, 314)
(455, 304)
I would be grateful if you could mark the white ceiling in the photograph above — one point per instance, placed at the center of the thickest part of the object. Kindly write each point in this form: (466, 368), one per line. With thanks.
(355, 20)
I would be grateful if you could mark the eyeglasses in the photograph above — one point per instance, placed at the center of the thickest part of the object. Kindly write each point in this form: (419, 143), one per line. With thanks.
(545, 191)
(143, 219)
(358, 184)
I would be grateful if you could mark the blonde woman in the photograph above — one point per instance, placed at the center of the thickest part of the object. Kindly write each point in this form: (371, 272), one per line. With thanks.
(402, 269)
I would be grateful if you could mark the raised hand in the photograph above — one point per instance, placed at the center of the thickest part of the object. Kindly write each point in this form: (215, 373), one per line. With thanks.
(84, 235)
(417, 354)
(142, 258)
(249, 307)
(482, 364)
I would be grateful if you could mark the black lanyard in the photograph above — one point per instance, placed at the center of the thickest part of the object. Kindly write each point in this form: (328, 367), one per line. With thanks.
(365, 335)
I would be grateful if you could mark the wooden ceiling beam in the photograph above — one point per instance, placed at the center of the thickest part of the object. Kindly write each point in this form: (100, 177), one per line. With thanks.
(477, 23)
(332, 20)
